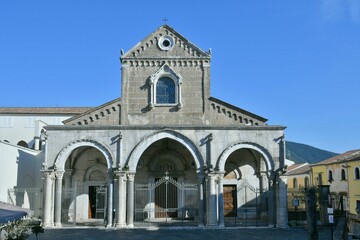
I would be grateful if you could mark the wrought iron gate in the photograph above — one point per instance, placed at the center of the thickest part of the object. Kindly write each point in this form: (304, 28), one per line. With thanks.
(166, 202)
(252, 207)
(68, 206)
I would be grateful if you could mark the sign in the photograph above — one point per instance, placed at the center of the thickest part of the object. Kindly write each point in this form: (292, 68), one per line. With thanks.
(295, 202)
(331, 218)
(330, 211)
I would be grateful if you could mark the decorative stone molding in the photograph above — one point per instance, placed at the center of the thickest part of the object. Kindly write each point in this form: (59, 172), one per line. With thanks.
(234, 115)
(66, 151)
(241, 145)
(136, 153)
(175, 41)
(165, 71)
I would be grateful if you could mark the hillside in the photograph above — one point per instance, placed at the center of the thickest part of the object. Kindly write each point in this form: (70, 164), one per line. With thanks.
(301, 153)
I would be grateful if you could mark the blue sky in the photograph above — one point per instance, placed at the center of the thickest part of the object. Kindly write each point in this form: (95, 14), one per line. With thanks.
(296, 63)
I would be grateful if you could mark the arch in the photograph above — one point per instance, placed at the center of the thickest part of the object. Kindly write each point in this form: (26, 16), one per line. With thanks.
(22, 143)
(172, 81)
(92, 169)
(306, 182)
(295, 183)
(343, 175)
(67, 150)
(136, 153)
(357, 173)
(226, 153)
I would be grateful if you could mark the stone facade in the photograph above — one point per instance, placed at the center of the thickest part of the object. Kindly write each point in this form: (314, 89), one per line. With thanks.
(166, 129)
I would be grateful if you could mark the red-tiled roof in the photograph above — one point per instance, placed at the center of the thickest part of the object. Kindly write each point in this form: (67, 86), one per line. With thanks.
(44, 110)
(347, 156)
(297, 169)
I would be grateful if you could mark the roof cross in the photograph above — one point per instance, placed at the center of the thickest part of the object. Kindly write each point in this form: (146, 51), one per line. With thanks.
(165, 20)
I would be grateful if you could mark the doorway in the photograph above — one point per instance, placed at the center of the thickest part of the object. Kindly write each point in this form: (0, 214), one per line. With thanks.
(97, 202)
(230, 201)
(166, 198)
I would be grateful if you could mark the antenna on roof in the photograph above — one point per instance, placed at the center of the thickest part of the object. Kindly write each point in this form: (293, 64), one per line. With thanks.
(165, 20)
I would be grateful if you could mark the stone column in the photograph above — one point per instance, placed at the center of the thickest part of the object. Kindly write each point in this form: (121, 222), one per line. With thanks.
(110, 199)
(271, 202)
(211, 206)
(201, 200)
(221, 200)
(130, 200)
(58, 193)
(120, 197)
(47, 222)
(282, 216)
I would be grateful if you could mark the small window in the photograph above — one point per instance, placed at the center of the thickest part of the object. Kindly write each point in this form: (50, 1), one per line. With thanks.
(23, 144)
(306, 182)
(358, 206)
(319, 179)
(165, 91)
(343, 176)
(295, 183)
(357, 173)
(330, 179)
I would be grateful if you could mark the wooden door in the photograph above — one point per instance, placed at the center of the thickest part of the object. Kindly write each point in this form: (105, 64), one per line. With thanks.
(230, 201)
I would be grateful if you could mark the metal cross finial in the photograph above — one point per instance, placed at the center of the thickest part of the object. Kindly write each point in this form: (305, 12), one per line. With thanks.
(165, 20)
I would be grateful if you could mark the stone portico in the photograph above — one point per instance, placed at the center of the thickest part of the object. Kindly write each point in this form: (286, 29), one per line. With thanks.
(165, 150)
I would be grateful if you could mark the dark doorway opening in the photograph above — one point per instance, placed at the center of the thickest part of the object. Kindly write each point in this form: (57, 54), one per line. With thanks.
(230, 201)
(97, 200)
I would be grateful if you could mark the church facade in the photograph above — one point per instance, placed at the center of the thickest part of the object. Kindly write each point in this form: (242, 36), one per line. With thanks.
(166, 151)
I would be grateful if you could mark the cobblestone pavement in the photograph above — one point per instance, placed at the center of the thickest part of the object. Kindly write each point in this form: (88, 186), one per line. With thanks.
(171, 233)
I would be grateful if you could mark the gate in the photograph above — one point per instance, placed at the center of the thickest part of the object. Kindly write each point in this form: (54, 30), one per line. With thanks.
(68, 206)
(166, 202)
(252, 207)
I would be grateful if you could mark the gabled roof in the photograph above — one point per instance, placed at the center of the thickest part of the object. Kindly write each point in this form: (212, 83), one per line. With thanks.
(297, 169)
(232, 109)
(144, 49)
(347, 156)
(96, 115)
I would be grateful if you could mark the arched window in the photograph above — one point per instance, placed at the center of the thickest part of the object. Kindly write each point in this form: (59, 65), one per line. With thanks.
(306, 182)
(165, 88)
(357, 173)
(165, 91)
(343, 176)
(23, 144)
(330, 177)
(295, 183)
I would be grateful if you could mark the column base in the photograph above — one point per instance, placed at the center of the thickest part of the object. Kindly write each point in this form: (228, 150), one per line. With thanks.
(58, 224)
(47, 225)
(120, 225)
(130, 225)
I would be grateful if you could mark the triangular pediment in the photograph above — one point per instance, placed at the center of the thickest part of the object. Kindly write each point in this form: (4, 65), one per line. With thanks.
(165, 42)
(225, 113)
(106, 114)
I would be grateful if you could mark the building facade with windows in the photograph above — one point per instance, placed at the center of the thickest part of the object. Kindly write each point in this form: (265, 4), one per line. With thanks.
(342, 175)
(166, 152)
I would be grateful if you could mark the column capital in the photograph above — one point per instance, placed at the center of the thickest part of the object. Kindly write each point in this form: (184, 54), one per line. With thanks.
(59, 174)
(131, 177)
(47, 174)
(120, 173)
